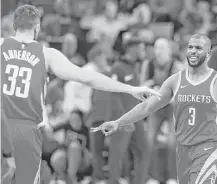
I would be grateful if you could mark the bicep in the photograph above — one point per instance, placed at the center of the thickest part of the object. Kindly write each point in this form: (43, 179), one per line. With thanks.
(62, 67)
(166, 92)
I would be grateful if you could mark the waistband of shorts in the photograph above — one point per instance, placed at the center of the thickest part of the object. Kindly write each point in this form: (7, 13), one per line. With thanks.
(22, 122)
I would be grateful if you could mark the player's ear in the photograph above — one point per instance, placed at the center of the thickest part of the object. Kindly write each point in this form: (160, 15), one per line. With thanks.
(209, 53)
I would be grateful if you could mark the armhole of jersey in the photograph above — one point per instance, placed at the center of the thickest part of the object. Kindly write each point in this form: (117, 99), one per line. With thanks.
(177, 86)
(212, 88)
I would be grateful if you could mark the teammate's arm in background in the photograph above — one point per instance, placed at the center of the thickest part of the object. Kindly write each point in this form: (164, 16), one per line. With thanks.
(152, 104)
(64, 69)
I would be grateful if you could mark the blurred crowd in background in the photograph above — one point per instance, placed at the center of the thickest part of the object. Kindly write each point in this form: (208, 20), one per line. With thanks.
(138, 42)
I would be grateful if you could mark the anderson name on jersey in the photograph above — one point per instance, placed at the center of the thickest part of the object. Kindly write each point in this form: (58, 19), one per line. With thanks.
(21, 55)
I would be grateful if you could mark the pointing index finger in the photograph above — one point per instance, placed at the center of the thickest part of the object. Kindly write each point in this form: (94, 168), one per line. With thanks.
(95, 129)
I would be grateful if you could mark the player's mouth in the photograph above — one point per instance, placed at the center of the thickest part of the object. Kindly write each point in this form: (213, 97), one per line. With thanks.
(193, 58)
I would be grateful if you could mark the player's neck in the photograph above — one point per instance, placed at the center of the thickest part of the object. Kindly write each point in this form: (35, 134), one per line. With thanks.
(202, 70)
(24, 36)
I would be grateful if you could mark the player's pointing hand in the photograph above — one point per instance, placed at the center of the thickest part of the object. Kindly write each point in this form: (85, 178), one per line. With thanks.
(107, 128)
(141, 92)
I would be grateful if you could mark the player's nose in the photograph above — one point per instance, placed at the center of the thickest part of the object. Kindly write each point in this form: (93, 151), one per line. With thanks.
(193, 51)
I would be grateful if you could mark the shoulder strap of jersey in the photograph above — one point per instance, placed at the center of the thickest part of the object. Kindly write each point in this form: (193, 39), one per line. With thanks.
(214, 80)
(180, 73)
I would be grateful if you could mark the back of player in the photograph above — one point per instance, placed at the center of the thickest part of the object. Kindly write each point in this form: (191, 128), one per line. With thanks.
(23, 81)
(195, 111)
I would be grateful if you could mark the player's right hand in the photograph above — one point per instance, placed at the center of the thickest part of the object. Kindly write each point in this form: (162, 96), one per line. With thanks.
(107, 128)
(142, 92)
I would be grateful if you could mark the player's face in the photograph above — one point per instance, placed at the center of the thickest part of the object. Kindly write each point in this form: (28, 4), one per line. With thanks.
(197, 52)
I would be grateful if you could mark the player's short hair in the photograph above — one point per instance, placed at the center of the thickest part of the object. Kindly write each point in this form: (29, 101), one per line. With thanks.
(203, 36)
(26, 17)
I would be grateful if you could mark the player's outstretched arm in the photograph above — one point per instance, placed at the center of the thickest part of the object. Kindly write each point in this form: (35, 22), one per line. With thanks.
(143, 109)
(151, 105)
(64, 69)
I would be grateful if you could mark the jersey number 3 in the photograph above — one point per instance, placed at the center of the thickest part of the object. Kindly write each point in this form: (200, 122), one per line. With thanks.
(192, 112)
(14, 88)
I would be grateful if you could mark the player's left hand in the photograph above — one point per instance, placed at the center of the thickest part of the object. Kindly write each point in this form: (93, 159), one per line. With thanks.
(11, 165)
(142, 92)
(45, 125)
(107, 128)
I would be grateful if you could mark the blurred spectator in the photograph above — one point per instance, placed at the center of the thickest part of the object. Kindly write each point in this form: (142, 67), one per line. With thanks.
(46, 175)
(106, 25)
(72, 156)
(162, 66)
(140, 23)
(78, 96)
(58, 162)
(161, 9)
(97, 116)
(7, 29)
(156, 72)
(126, 71)
(69, 49)
(142, 15)
(60, 21)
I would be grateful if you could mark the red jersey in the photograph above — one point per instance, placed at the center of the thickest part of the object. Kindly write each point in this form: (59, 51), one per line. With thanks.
(195, 110)
(24, 76)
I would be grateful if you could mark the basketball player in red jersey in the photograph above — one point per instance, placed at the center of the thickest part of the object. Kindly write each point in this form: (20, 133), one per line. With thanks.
(24, 64)
(194, 95)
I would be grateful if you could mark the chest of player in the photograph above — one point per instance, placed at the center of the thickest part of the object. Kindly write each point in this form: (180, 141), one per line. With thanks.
(195, 100)
(189, 94)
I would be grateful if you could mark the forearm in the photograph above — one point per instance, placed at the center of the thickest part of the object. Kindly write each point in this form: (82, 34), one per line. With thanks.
(136, 114)
(142, 110)
(104, 83)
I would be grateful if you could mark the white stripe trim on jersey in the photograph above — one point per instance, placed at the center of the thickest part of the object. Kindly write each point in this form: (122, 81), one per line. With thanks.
(37, 176)
(177, 86)
(212, 88)
(199, 82)
(211, 159)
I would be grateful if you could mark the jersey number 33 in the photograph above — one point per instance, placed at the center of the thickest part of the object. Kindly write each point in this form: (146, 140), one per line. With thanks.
(13, 87)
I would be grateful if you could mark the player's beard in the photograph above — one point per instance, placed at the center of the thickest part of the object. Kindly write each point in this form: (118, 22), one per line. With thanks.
(202, 59)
